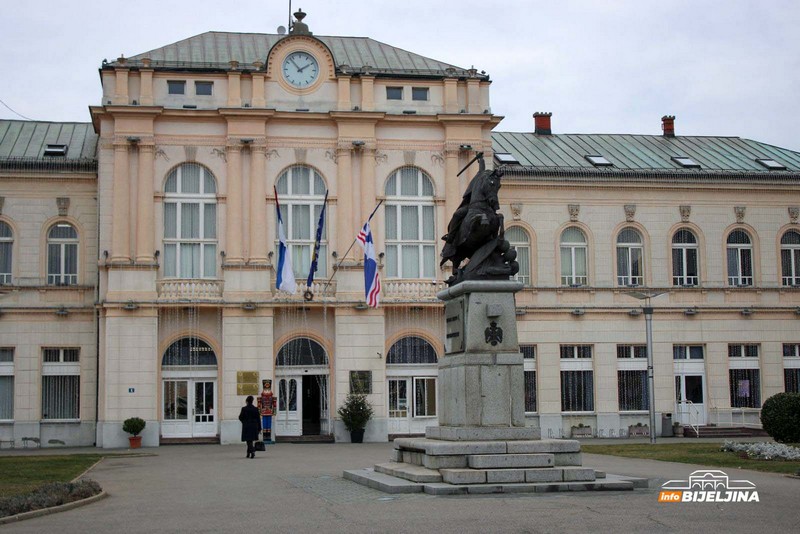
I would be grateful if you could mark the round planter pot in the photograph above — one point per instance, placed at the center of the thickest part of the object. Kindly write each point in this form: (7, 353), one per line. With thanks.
(135, 441)
(357, 436)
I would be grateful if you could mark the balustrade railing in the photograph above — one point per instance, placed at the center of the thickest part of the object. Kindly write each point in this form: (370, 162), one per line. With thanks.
(411, 289)
(189, 289)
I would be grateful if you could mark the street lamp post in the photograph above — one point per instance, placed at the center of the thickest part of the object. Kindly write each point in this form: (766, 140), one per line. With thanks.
(648, 318)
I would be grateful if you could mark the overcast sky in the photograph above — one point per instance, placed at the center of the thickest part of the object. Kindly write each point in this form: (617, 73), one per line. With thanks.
(723, 67)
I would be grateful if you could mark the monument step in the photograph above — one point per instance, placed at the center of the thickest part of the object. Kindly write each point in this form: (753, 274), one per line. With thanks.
(382, 482)
(545, 487)
(435, 447)
(505, 461)
(535, 475)
(411, 472)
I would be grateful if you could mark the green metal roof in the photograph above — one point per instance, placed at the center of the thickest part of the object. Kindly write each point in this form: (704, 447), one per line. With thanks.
(22, 146)
(643, 153)
(214, 50)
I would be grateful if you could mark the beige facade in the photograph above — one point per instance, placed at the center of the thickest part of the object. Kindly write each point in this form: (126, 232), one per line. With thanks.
(177, 248)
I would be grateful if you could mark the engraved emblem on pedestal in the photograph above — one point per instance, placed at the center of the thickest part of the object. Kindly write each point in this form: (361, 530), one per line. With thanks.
(493, 333)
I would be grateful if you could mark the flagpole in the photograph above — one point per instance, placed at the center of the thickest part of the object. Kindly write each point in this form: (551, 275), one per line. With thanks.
(336, 268)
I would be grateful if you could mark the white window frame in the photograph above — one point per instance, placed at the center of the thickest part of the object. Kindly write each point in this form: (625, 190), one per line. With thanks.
(62, 277)
(627, 352)
(303, 248)
(740, 279)
(180, 200)
(398, 411)
(686, 350)
(791, 362)
(61, 368)
(7, 243)
(519, 246)
(528, 366)
(395, 202)
(626, 252)
(427, 380)
(685, 280)
(573, 279)
(7, 370)
(738, 356)
(792, 278)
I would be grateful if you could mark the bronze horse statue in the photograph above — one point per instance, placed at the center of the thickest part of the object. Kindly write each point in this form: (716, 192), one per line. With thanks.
(476, 232)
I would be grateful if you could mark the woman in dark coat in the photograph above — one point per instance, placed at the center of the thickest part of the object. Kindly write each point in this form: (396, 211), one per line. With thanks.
(251, 425)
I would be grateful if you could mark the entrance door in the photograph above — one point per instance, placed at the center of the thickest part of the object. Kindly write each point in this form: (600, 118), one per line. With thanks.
(399, 421)
(290, 407)
(312, 405)
(690, 408)
(181, 421)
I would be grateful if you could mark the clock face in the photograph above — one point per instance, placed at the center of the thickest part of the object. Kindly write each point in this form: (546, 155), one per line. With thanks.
(300, 69)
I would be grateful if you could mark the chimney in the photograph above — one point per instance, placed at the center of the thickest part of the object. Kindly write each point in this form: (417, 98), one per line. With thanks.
(541, 121)
(668, 125)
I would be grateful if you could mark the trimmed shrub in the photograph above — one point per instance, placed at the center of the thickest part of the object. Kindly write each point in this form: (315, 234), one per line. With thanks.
(133, 426)
(49, 495)
(780, 417)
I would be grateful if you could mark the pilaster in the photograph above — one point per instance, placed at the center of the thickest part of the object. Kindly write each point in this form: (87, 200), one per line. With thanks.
(120, 235)
(259, 100)
(258, 208)
(344, 205)
(367, 93)
(344, 93)
(473, 95)
(451, 95)
(452, 191)
(121, 87)
(233, 209)
(144, 226)
(234, 89)
(146, 87)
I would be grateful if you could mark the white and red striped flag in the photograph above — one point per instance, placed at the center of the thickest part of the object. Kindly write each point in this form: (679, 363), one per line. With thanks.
(372, 280)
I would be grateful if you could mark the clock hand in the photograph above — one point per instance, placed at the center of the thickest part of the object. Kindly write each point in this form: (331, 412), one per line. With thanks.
(295, 64)
(304, 67)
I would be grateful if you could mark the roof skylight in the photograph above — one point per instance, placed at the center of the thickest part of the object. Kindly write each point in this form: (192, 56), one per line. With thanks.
(686, 162)
(505, 157)
(598, 161)
(771, 164)
(55, 150)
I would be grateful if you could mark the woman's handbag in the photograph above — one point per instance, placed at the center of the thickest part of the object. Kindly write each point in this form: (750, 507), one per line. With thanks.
(259, 446)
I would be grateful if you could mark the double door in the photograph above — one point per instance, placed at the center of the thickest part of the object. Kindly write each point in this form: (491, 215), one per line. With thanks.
(302, 406)
(189, 408)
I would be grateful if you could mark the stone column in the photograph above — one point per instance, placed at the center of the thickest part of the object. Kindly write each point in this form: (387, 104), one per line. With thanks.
(144, 226)
(146, 87)
(121, 87)
(344, 201)
(233, 246)
(344, 93)
(120, 237)
(258, 207)
(367, 93)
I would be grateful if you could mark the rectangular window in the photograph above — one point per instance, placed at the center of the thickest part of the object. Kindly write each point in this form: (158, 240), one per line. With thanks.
(687, 352)
(419, 93)
(360, 382)
(528, 351)
(53, 355)
(530, 391)
(577, 391)
(175, 87)
(55, 150)
(632, 390)
(398, 397)
(743, 351)
(6, 383)
(61, 397)
(203, 88)
(631, 351)
(576, 351)
(394, 93)
(745, 388)
(791, 380)
(791, 350)
(424, 397)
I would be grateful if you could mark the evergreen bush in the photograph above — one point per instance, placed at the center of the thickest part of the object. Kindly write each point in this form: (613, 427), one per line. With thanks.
(355, 412)
(780, 417)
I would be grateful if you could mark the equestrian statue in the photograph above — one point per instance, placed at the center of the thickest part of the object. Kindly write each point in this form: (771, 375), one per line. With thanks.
(476, 233)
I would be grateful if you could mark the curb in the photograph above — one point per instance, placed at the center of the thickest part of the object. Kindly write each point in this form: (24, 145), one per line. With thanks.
(54, 510)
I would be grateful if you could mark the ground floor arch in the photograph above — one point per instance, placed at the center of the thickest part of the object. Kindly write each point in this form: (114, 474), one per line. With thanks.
(302, 373)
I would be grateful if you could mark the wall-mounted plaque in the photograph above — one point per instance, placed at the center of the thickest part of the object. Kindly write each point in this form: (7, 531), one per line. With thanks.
(454, 326)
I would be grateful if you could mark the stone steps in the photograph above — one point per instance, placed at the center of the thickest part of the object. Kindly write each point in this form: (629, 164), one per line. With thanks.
(382, 482)
(506, 461)
(516, 476)
(410, 472)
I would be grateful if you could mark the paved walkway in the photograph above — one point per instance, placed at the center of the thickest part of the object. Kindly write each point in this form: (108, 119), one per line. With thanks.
(298, 488)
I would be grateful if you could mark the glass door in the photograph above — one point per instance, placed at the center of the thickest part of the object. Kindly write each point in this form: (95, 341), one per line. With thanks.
(690, 408)
(288, 420)
(176, 421)
(399, 422)
(204, 415)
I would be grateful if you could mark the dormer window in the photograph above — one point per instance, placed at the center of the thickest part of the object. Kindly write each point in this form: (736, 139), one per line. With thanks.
(686, 162)
(505, 157)
(55, 150)
(598, 161)
(176, 87)
(771, 164)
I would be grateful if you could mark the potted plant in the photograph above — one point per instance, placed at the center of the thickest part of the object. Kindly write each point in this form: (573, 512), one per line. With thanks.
(638, 430)
(355, 413)
(677, 429)
(581, 431)
(134, 426)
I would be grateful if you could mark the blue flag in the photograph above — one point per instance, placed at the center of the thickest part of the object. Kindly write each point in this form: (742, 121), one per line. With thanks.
(284, 274)
(317, 243)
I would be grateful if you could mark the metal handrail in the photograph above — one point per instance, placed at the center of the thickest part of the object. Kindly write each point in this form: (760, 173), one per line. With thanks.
(696, 425)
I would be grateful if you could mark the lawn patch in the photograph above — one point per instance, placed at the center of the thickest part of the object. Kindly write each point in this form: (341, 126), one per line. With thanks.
(24, 474)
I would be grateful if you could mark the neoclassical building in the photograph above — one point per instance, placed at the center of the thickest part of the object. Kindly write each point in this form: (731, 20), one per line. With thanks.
(138, 252)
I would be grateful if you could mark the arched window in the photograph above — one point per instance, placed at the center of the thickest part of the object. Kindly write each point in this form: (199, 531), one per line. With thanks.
(519, 240)
(302, 352)
(62, 255)
(573, 257)
(190, 223)
(411, 350)
(410, 225)
(6, 249)
(302, 194)
(189, 351)
(740, 259)
(630, 265)
(685, 271)
(790, 258)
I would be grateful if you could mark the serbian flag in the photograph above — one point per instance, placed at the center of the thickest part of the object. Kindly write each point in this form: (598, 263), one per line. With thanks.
(372, 281)
(317, 243)
(284, 273)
